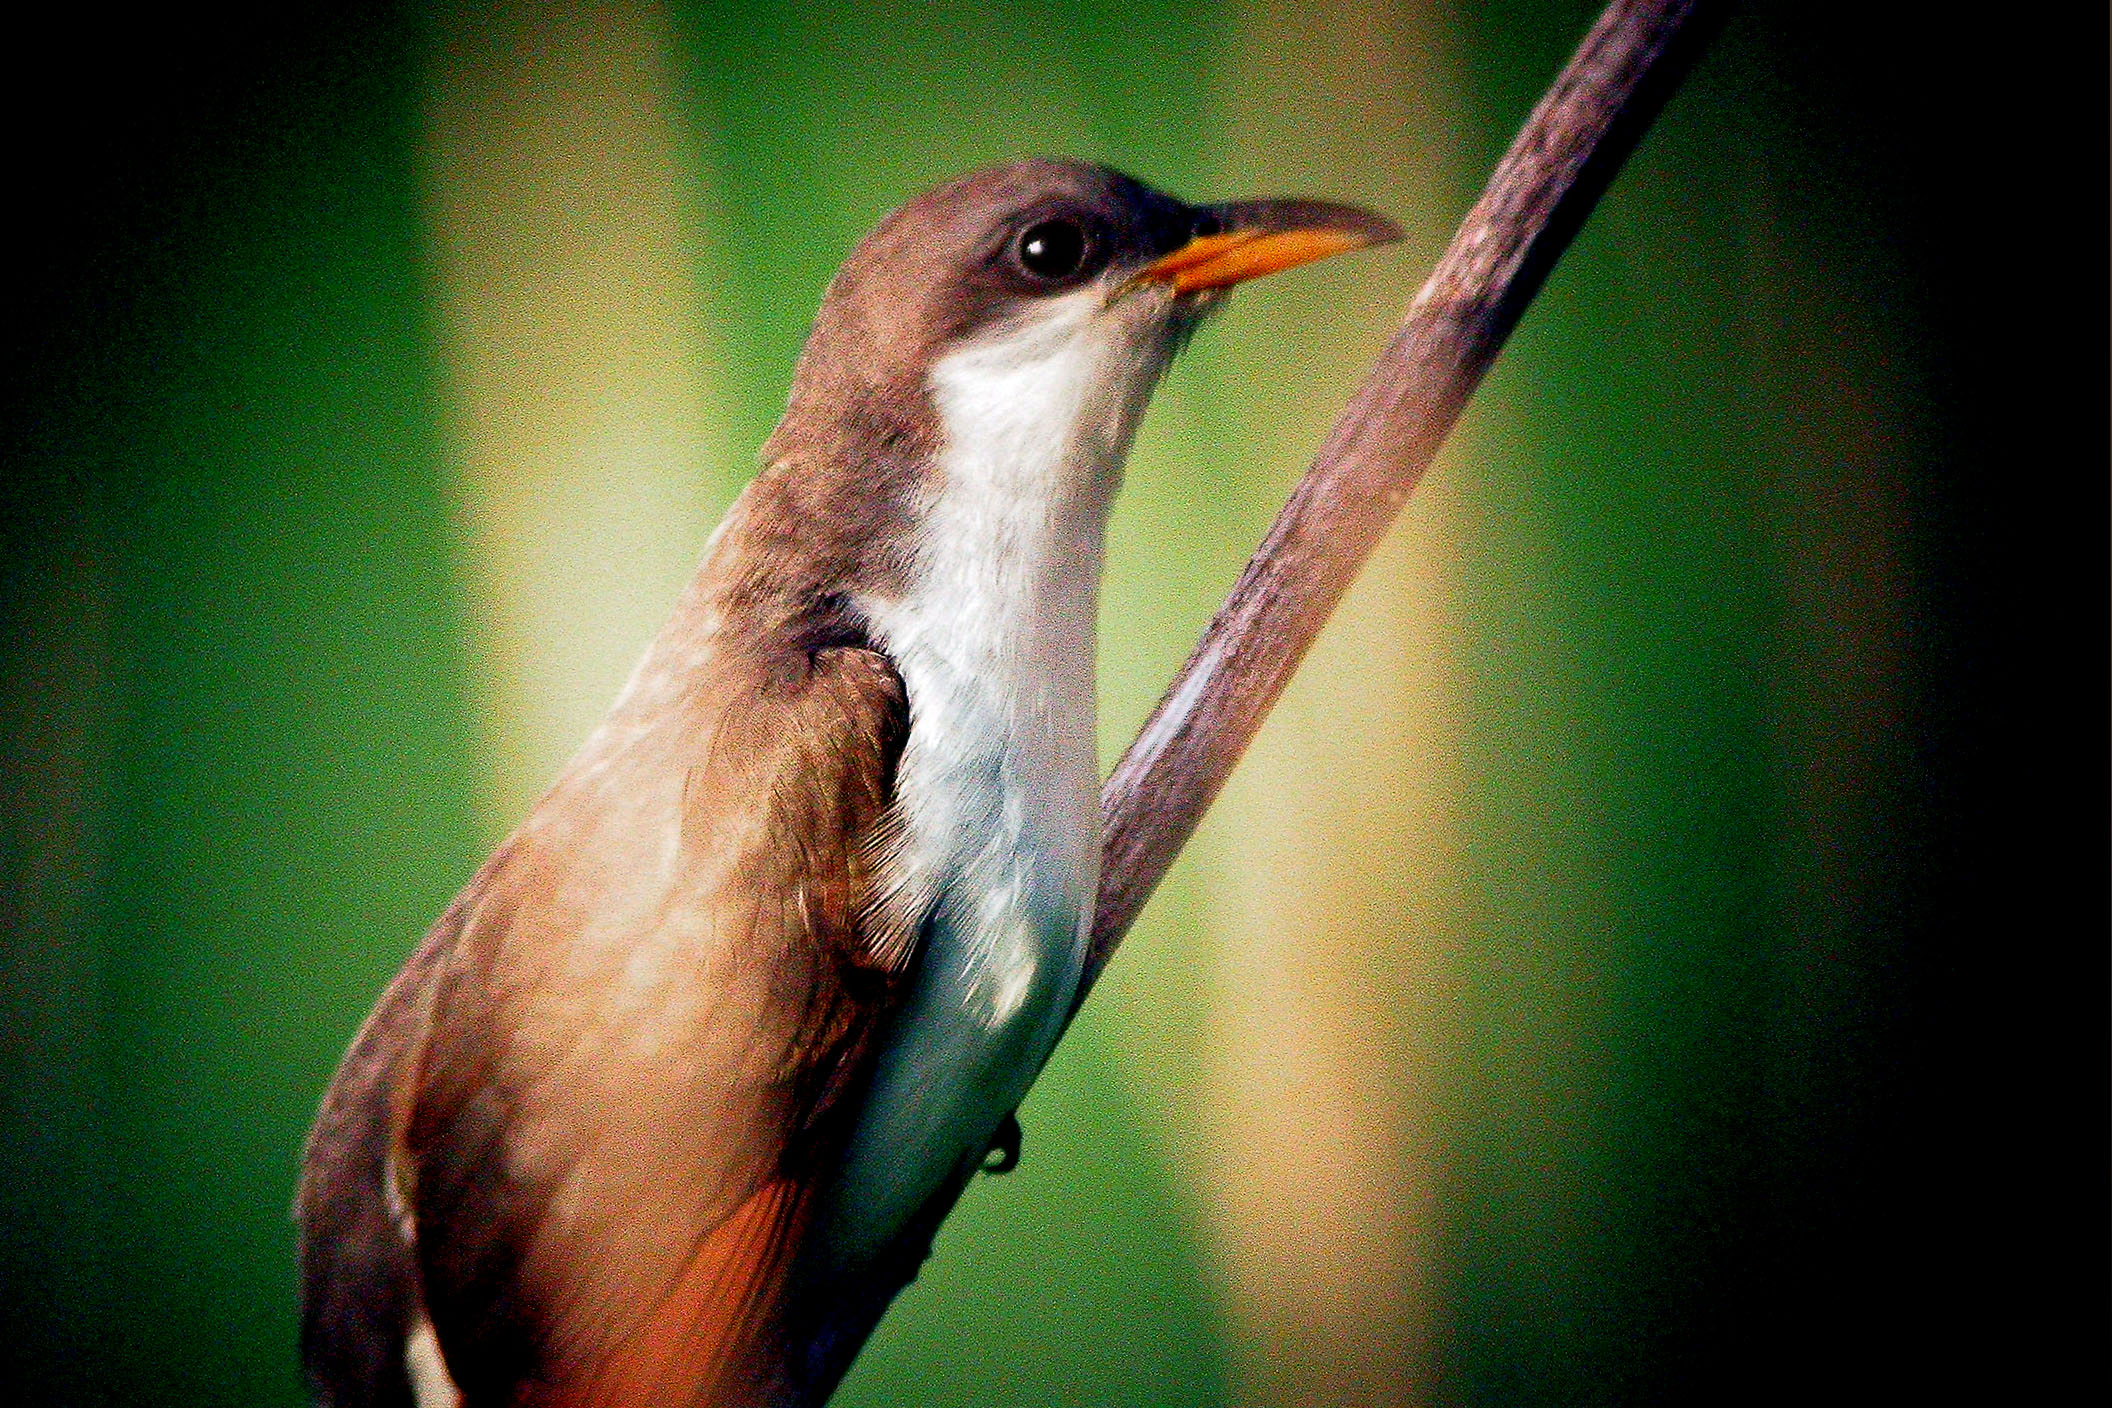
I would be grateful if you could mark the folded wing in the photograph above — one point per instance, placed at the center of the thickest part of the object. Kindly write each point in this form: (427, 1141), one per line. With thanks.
(635, 1059)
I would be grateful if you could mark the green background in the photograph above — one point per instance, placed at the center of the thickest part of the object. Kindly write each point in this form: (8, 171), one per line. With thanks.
(1772, 1061)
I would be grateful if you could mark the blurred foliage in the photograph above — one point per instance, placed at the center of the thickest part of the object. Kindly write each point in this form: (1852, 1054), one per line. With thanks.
(1660, 878)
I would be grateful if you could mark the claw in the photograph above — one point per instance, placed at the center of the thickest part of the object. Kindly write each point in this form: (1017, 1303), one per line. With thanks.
(1003, 1154)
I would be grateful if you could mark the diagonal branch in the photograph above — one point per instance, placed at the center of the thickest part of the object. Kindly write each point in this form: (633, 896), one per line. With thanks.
(1540, 194)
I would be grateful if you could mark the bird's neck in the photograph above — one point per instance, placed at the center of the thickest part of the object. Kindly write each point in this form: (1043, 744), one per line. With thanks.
(1002, 597)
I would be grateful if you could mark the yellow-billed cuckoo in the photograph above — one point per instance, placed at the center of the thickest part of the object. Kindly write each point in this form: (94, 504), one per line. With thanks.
(788, 941)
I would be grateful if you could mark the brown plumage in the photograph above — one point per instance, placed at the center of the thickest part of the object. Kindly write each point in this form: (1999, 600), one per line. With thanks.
(619, 1064)
(581, 1153)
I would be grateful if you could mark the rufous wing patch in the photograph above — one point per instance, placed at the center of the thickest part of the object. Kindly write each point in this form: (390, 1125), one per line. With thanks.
(708, 1340)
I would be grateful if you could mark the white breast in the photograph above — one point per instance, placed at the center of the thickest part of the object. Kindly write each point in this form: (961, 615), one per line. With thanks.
(997, 782)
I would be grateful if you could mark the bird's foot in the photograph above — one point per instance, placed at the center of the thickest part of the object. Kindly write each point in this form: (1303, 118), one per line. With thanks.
(1003, 1154)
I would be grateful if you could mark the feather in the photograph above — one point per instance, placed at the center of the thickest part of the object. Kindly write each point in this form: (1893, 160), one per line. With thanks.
(602, 1095)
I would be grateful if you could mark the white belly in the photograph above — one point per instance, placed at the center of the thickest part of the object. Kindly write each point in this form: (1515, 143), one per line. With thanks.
(1005, 846)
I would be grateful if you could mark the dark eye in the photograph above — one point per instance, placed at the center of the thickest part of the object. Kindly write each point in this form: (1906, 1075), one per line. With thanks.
(1052, 249)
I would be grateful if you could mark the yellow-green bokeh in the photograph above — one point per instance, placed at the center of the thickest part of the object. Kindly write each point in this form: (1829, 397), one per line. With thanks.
(1504, 1037)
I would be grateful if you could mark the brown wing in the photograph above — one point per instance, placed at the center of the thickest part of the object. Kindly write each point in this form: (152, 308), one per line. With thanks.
(359, 1274)
(638, 1045)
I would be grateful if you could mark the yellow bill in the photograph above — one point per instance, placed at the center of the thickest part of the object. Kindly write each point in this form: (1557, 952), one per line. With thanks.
(1244, 240)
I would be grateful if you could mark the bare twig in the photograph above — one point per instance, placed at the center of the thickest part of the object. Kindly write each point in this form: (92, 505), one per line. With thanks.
(1540, 194)
(1546, 185)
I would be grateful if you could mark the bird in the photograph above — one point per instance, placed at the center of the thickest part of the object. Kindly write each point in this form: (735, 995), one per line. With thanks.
(779, 953)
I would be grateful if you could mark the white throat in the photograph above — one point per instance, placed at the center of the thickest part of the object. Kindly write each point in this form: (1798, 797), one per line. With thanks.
(998, 782)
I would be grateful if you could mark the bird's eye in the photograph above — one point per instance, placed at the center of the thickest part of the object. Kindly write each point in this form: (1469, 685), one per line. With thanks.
(1053, 249)
(1206, 225)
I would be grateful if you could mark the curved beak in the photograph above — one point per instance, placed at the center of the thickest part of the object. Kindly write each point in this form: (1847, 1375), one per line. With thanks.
(1244, 239)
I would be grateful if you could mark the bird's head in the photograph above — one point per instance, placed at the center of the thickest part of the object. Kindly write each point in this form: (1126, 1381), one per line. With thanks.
(1065, 267)
(1007, 329)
